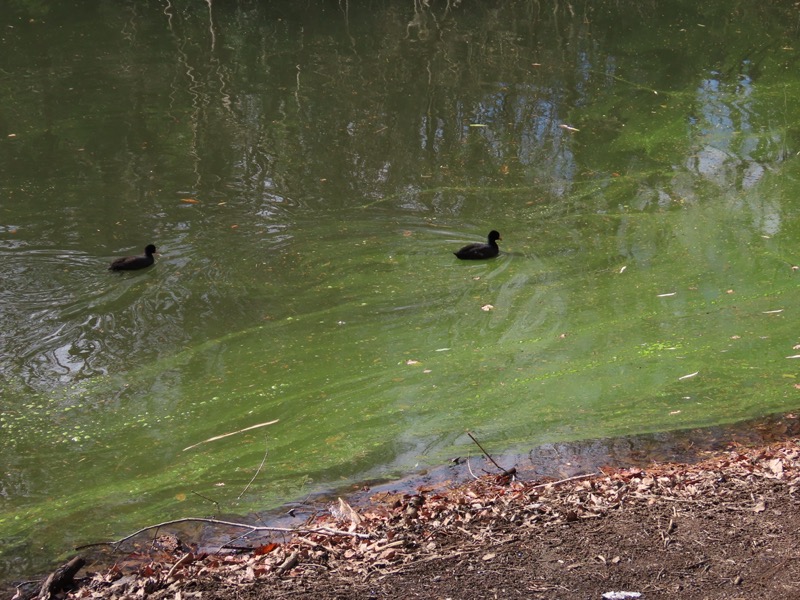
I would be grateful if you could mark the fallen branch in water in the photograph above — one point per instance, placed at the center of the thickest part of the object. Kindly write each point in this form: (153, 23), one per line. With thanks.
(224, 435)
(252, 528)
(258, 470)
(512, 471)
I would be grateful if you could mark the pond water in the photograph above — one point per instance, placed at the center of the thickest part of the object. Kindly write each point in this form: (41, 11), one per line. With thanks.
(306, 171)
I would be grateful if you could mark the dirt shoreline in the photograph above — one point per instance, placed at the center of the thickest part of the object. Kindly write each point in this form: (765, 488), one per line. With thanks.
(721, 528)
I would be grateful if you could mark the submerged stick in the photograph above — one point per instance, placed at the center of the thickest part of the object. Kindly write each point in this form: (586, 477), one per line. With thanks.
(224, 435)
(207, 499)
(489, 456)
(258, 470)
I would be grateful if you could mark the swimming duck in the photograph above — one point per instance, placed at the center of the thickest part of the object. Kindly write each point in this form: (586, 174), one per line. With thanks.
(480, 251)
(131, 263)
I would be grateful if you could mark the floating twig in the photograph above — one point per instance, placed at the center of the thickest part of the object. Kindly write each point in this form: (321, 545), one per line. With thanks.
(224, 435)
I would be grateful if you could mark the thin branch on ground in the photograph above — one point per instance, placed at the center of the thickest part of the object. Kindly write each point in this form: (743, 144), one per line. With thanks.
(252, 528)
(184, 560)
(568, 479)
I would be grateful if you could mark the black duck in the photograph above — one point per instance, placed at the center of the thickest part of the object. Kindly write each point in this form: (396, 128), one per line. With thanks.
(131, 263)
(480, 251)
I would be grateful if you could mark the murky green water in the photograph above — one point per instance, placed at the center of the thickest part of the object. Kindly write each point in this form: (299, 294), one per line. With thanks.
(306, 172)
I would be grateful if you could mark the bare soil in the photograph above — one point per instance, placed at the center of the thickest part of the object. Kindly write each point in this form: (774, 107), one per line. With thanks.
(726, 527)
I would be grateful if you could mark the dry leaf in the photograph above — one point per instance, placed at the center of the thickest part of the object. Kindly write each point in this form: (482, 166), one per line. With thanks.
(347, 513)
(776, 466)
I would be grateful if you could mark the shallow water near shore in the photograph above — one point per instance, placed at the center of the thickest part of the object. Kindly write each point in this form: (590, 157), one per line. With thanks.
(306, 173)
(548, 463)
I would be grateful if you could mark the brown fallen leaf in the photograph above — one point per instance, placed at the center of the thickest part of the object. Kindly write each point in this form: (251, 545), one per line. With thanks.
(346, 512)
